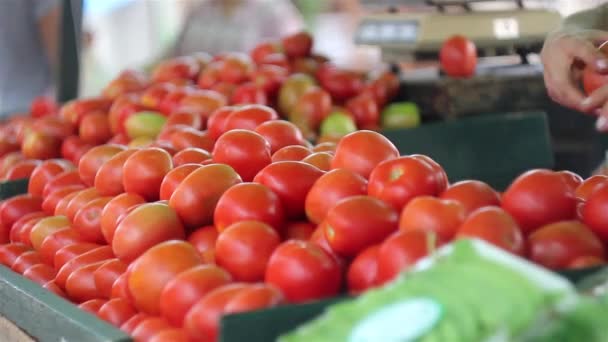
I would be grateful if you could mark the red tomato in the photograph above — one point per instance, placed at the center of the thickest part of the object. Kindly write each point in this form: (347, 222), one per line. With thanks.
(203, 239)
(592, 79)
(299, 230)
(203, 186)
(364, 109)
(358, 222)
(53, 288)
(120, 288)
(73, 148)
(216, 125)
(443, 217)
(92, 306)
(155, 268)
(60, 196)
(495, 226)
(362, 151)
(586, 262)
(276, 59)
(402, 250)
(127, 81)
(105, 276)
(71, 251)
(91, 161)
(108, 180)
(363, 270)
(573, 180)
(398, 181)
(25, 261)
(249, 117)
(291, 181)
(297, 45)
(149, 328)
(144, 170)
(56, 241)
(269, 77)
(249, 201)
(189, 116)
(341, 84)
(204, 101)
(557, 245)
(174, 178)
(244, 248)
(147, 225)
(472, 195)
(594, 211)
(331, 188)
(539, 197)
(113, 210)
(440, 176)
(11, 251)
(87, 221)
(303, 271)
(21, 169)
(95, 128)
(80, 284)
(41, 145)
(280, 133)
(191, 155)
(46, 226)
(92, 256)
(79, 200)
(320, 160)
(40, 273)
(45, 172)
(173, 335)
(235, 68)
(116, 311)
(133, 322)
(291, 153)
(310, 109)
(65, 178)
(254, 297)
(245, 151)
(187, 288)
(260, 51)
(589, 186)
(190, 137)
(19, 231)
(458, 57)
(43, 106)
(183, 67)
(329, 147)
(249, 93)
(14, 208)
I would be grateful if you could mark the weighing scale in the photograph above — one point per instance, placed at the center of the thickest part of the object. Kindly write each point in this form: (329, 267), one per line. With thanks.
(416, 32)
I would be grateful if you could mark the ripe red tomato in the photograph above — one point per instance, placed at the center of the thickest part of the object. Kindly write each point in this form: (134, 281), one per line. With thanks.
(362, 151)
(310, 109)
(116, 311)
(557, 245)
(586, 262)
(185, 137)
(108, 180)
(79, 200)
(71, 251)
(202, 321)
(93, 256)
(589, 186)
(183, 67)
(11, 251)
(270, 78)
(65, 178)
(443, 217)
(362, 271)
(329, 147)
(297, 45)
(127, 81)
(398, 181)
(246, 202)
(245, 151)
(364, 109)
(303, 271)
(235, 68)
(291, 153)
(255, 297)
(147, 225)
(216, 125)
(45, 172)
(80, 284)
(91, 161)
(299, 230)
(203, 186)
(402, 250)
(173, 335)
(55, 241)
(291, 181)
(144, 170)
(92, 306)
(539, 197)
(43, 106)
(249, 117)
(358, 222)
(458, 57)
(60, 196)
(21, 169)
(113, 210)
(260, 51)
(45, 227)
(341, 84)
(592, 79)
(244, 248)
(105, 276)
(174, 178)
(148, 328)
(203, 239)
(189, 116)
(87, 221)
(25, 261)
(14, 208)
(249, 93)
(155, 268)
(320, 160)
(440, 175)
(191, 155)
(40, 273)
(495, 226)
(19, 231)
(472, 195)
(132, 322)
(120, 288)
(280, 133)
(41, 145)
(53, 288)
(594, 211)
(573, 180)
(73, 148)
(187, 288)
(203, 100)
(95, 128)
(276, 59)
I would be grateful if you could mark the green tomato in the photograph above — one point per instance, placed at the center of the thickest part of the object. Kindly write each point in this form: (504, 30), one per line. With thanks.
(337, 124)
(401, 115)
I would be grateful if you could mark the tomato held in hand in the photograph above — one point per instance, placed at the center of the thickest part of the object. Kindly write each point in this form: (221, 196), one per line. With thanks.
(472, 195)
(155, 268)
(303, 271)
(363, 270)
(358, 222)
(362, 151)
(443, 217)
(187, 288)
(458, 57)
(557, 245)
(245, 151)
(539, 197)
(495, 226)
(593, 80)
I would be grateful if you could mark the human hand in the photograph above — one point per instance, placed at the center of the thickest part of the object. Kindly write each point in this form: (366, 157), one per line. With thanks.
(564, 55)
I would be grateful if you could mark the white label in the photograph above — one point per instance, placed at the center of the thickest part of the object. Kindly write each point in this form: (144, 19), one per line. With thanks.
(506, 28)
(403, 321)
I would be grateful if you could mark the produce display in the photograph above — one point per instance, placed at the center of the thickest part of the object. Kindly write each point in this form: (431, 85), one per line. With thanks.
(174, 199)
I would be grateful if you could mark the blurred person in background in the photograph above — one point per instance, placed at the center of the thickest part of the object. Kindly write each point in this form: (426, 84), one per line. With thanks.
(28, 51)
(216, 26)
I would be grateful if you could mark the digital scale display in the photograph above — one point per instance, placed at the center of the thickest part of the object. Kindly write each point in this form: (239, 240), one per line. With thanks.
(386, 32)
